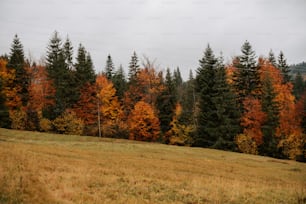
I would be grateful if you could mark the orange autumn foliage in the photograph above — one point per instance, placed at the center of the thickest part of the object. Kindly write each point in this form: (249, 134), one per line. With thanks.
(143, 123)
(40, 89)
(9, 90)
(288, 120)
(252, 119)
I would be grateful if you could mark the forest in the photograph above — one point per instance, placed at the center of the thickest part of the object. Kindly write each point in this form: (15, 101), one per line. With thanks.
(253, 105)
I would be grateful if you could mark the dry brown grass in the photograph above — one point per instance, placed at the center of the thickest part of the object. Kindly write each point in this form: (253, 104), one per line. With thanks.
(46, 168)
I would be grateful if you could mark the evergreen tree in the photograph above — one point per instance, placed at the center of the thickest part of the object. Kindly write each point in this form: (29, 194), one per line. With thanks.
(62, 77)
(133, 69)
(228, 117)
(5, 121)
(84, 68)
(299, 86)
(68, 53)
(22, 77)
(284, 67)
(120, 82)
(166, 103)
(177, 77)
(109, 68)
(246, 78)
(205, 82)
(272, 59)
(271, 107)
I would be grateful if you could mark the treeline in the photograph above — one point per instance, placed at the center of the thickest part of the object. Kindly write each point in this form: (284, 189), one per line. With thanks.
(250, 105)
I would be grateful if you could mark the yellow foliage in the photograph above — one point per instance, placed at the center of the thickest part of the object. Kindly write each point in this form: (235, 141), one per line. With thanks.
(293, 145)
(45, 125)
(68, 123)
(179, 134)
(19, 119)
(246, 144)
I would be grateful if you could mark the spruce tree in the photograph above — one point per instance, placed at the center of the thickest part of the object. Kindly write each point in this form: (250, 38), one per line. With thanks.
(109, 68)
(299, 86)
(68, 53)
(271, 107)
(177, 77)
(246, 78)
(84, 70)
(272, 59)
(120, 82)
(284, 67)
(133, 69)
(166, 103)
(62, 77)
(205, 86)
(5, 121)
(17, 62)
(228, 117)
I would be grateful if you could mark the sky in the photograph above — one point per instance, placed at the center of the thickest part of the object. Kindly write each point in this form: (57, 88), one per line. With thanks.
(174, 33)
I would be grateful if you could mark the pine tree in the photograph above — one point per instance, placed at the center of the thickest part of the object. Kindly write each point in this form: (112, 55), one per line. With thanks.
(62, 77)
(205, 82)
(84, 68)
(120, 82)
(17, 62)
(299, 86)
(5, 121)
(133, 69)
(228, 117)
(284, 67)
(68, 53)
(272, 59)
(177, 77)
(109, 68)
(246, 78)
(271, 107)
(166, 103)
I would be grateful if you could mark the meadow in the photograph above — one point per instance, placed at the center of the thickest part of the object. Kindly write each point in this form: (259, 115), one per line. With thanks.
(50, 168)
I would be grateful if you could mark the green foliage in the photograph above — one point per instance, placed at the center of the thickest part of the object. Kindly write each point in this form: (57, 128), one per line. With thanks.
(109, 68)
(17, 62)
(271, 107)
(246, 77)
(133, 69)
(166, 103)
(284, 67)
(218, 120)
(5, 121)
(299, 86)
(68, 123)
(120, 83)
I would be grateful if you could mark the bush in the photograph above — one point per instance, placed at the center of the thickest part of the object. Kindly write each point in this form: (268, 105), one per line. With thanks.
(68, 123)
(45, 125)
(19, 119)
(246, 144)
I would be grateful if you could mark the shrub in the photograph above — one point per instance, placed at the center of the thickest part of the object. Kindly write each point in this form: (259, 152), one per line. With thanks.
(246, 144)
(68, 123)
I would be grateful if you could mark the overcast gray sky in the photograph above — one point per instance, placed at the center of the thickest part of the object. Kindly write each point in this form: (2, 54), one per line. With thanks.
(174, 32)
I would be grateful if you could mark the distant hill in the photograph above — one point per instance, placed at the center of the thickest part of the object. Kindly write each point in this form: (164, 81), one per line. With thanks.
(301, 67)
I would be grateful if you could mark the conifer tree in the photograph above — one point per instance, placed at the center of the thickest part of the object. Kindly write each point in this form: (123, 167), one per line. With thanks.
(272, 59)
(133, 69)
(5, 121)
(205, 82)
(246, 78)
(68, 53)
(62, 78)
(109, 68)
(166, 103)
(284, 67)
(271, 107)
(22, 78)
(299, 86)
(120, 82)
(177, 77)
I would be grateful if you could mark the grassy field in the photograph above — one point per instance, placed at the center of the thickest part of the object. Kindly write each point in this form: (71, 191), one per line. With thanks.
(49, 168)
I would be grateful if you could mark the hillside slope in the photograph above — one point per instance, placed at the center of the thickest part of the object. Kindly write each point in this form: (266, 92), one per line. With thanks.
(49, 168)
